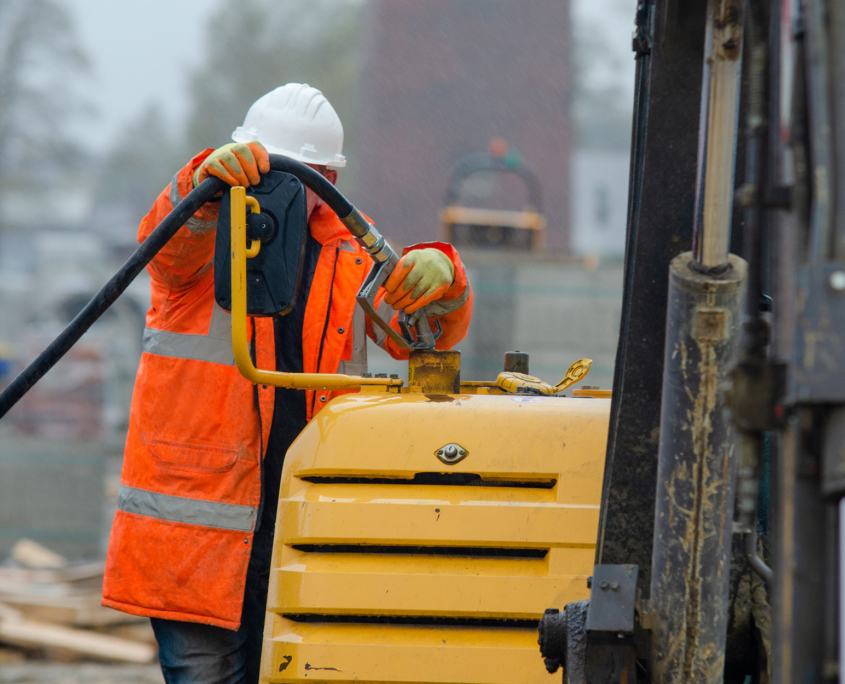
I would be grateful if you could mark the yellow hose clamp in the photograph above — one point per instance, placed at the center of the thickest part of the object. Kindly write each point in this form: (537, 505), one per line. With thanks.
(252, 251)
(240, 343)
(522, 383)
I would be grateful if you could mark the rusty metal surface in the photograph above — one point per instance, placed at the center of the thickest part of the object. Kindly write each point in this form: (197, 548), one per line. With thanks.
(563, 641)
(807, 325)
(612, 597)
(833, 455)
(437, 372)
(696, 474)
(576, 643)
(818, 360)
(749, 642)
(660, 216)
(611, 662)
(800, 596)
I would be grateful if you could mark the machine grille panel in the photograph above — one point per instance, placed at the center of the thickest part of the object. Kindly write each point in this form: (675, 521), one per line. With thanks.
(380, 557)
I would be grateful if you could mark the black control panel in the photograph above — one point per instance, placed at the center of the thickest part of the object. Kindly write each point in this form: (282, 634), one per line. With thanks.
(275, 274)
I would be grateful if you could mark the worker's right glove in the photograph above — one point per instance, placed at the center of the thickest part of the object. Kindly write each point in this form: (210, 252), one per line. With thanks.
(421, 277)
(235, 163)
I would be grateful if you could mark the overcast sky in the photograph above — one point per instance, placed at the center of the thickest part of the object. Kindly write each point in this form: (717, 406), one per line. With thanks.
(142, 51)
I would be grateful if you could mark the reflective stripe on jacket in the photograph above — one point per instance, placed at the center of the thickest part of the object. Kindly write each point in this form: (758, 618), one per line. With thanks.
(191, 483)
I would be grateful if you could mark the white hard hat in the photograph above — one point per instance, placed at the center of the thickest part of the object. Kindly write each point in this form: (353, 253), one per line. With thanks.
(297, 121)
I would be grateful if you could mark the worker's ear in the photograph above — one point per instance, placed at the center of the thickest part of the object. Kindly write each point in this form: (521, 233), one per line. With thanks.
(331, 174)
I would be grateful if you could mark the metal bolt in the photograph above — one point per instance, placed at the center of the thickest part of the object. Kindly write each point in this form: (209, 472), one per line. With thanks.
(837, 281)
(451, 453)
(604, 586)
(614, 586)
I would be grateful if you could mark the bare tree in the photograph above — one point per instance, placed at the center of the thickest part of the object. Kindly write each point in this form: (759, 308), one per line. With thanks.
(602, 104)
(40, 63)
(137, 166)
(268, 43)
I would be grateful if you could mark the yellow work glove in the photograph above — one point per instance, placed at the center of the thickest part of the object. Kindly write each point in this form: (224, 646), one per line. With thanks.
(235, 163)
(421, 277)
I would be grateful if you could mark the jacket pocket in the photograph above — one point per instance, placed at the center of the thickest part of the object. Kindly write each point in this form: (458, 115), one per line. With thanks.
(198, 457)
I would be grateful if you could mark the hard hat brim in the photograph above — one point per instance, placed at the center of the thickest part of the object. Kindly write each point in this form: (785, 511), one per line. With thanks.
(242, 136)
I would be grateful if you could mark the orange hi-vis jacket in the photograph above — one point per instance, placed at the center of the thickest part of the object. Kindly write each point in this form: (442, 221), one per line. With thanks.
(191, 482)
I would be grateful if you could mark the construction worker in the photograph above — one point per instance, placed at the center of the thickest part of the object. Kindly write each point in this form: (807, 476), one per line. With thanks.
(191, 540)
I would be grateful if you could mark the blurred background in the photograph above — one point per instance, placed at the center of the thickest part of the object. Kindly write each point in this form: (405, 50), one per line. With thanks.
(502, 125)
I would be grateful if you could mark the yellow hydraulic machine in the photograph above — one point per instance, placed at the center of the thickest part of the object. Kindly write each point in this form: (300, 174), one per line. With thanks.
(423, 529)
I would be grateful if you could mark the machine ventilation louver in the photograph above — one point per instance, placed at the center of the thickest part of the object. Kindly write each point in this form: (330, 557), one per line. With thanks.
(391, 566)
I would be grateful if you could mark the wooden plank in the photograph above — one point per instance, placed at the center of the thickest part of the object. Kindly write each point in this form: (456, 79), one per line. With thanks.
(16, 630)
(493, 217)
(33, 555)
(79, 609)
(73, 573)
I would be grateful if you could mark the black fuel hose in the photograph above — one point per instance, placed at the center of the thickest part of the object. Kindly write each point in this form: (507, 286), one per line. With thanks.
(142, 256)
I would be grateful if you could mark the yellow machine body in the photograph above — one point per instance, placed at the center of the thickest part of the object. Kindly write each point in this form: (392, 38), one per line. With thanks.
(423, 530)
(393, 563)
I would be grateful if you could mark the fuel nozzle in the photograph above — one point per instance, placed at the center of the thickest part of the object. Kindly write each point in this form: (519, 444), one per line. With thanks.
(369, 238)
(365, 233)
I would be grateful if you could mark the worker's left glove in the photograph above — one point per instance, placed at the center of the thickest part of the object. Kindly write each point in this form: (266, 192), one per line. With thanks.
(235, 163)
(422, 276)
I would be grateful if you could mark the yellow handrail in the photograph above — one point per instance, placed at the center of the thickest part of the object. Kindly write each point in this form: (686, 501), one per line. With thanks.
(240, 345)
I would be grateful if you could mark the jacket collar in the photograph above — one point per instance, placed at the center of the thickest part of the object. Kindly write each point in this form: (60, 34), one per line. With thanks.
(326, 227)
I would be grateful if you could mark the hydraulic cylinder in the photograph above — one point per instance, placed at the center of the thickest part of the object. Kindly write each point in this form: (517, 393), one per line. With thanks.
(696, 475)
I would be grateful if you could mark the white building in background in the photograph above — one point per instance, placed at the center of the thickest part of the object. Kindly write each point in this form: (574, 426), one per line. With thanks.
(599, 202)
